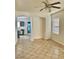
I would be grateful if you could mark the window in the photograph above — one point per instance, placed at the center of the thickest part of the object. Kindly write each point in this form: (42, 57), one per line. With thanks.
(55, 24)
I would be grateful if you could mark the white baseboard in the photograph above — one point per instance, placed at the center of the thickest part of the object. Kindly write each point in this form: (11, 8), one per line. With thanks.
(62, 43)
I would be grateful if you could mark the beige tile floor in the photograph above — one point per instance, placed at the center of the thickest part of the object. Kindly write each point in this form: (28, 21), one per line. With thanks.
(39, 49)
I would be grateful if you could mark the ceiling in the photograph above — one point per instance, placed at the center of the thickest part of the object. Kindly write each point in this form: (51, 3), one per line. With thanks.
(34, 6)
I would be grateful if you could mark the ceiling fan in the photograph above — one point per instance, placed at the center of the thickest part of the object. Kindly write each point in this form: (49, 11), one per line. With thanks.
(49, 6)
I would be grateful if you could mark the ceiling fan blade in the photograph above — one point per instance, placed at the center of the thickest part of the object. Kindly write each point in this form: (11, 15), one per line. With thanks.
(56, 7)
(55, 3)
(45, 4)
(42, 9)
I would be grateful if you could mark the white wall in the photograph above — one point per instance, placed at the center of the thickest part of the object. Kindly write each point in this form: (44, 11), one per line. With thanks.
(36, 27)
(48, 27)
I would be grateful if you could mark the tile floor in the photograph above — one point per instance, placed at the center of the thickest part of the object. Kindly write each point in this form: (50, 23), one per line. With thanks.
(39, 49)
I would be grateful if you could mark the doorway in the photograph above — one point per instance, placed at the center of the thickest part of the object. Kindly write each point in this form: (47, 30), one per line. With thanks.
(43, 26)
(23, 27)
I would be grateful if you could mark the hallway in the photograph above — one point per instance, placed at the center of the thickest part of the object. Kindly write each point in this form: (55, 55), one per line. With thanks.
(39, 49)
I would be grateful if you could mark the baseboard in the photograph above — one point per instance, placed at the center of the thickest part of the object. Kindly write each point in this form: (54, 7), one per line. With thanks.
(39, 37)
(59, 43)
(62, 43)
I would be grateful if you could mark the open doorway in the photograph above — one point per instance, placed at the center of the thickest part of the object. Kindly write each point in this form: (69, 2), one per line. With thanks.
(23, 27)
